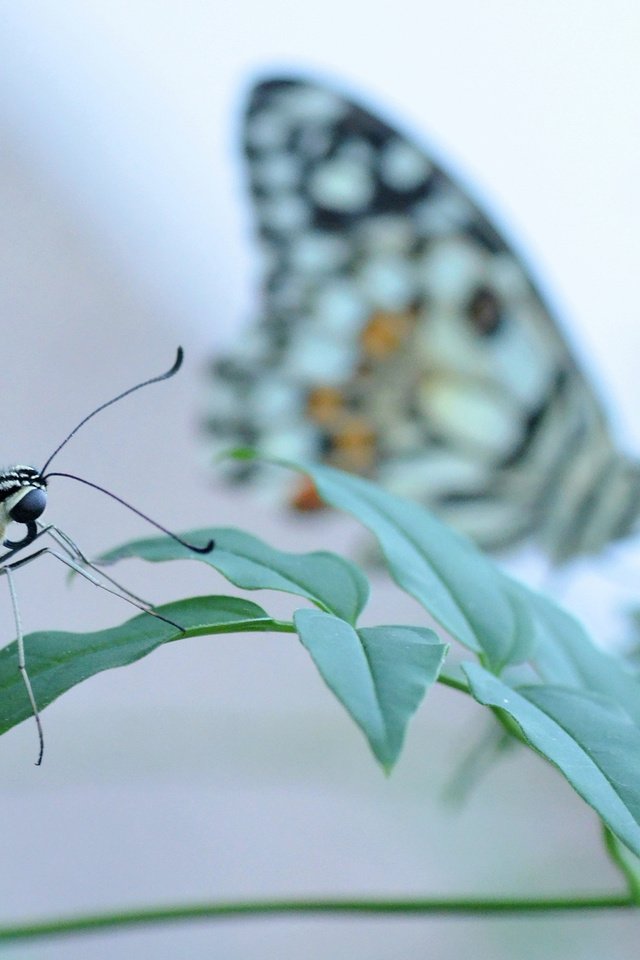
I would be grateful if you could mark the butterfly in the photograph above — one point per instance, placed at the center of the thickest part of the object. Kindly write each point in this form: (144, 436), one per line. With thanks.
(23, 500)
(402, 338)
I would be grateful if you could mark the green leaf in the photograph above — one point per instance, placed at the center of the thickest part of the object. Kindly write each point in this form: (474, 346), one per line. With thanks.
(445, 572)
(591, 740)
(380, 674)
(334, 584)
(564, 654)
(58, 661)
(627, 862)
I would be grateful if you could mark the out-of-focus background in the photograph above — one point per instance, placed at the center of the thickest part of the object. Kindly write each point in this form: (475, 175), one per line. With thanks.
(222, 767)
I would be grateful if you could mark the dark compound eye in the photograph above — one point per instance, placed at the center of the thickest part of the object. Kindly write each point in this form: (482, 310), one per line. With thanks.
(484, 311)
(30, 507)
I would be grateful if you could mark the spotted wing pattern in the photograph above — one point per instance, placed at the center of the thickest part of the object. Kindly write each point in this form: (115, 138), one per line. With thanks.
(401, 338)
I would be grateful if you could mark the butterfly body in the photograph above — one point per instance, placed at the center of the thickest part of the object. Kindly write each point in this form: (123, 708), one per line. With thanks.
(402, 338)
(23, 498)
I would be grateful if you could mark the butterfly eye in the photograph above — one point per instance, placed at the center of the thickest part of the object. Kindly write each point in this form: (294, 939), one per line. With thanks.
(29, 507)
(484, 311)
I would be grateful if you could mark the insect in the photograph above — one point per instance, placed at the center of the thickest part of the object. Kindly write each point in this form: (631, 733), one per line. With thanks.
(402, 338)
(23, 498)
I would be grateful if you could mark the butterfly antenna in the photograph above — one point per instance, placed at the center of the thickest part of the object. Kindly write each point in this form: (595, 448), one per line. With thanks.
(174, 536)
(145, 383)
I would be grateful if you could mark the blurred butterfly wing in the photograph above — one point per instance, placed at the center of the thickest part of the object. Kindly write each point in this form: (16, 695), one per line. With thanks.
(403, 339)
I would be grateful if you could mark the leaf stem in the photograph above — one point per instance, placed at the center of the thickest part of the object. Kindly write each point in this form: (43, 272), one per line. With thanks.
(263, 625)
(450, 679)
(438, 906)
(616, 853)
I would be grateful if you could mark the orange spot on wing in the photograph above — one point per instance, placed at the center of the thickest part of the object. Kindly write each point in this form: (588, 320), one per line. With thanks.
(305, 497)
(354, 446)
(325, 404)
(385, 332)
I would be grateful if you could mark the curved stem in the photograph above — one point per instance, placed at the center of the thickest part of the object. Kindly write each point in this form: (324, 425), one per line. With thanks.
(453, 907)
(617, 854)
(449, 678)
(265, 625)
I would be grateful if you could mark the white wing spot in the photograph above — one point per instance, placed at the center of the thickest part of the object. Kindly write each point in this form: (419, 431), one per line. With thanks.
(433, 474)
(321, 358)
(343, 184)
(466, 412)
(318, 252)
(358, 151)
(451, 269)
(388, 282)
(402, 166)
(285, 214)
(508, 276)
(525, 366)
(275, 401)
(288, 293)
(443, 212)
(277, 171)
(340, 308)
(267, 131)
(312, 106)
(298, 443)
(387, 233)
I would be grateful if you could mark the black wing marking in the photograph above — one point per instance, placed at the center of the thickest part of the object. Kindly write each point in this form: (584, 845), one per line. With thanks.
(400, 336)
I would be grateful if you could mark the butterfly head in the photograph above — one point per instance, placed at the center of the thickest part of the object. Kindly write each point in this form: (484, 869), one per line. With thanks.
(23, 495)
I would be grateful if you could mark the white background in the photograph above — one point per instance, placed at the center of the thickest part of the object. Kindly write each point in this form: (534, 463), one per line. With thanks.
(225, 769)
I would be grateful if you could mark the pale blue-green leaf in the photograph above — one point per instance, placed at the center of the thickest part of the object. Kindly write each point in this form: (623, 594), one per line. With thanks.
(334, 584)
(379, 674)
(58, 661)
(445, 572)
(564, 654)
(591, 740)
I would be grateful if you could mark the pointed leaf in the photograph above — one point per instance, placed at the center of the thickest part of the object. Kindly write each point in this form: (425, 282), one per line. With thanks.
(564, 654)
(380, 674)
(58, 661)
(334, 584)
(588, 737)
(445, 572)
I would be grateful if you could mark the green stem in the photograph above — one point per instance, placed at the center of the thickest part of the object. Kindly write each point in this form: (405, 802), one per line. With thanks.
(458, 907)
(616, 853)
(449, 677)
(264, 625)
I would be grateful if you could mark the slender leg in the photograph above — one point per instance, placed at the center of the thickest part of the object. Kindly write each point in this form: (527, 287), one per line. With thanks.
(22, 666)
(73, 558)
(17, 547)
(72, 549)
(73, 565)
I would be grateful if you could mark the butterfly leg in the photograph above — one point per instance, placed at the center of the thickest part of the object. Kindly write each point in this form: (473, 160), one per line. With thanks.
(15, 547)
(22, 666)
(70, 562)
(72, 549)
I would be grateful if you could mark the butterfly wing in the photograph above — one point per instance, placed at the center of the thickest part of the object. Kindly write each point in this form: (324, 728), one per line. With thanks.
(403, 339)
